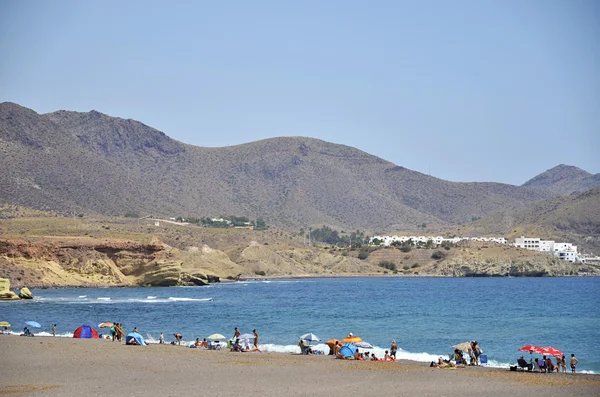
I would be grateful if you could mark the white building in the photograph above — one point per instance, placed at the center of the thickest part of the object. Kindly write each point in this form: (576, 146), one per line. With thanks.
(570, 256)
(546, 245)
(528, 243)
(564, 251)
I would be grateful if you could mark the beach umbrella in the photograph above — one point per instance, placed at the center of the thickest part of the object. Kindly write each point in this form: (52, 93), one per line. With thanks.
(216, 337)
(331, 344)
(550, 351)
(464, 346)
(352, 339)
(105, 325)
(531, 349)
(33, 324)
(310, 337)
(363, 345)
(4, 324)
(246, 337)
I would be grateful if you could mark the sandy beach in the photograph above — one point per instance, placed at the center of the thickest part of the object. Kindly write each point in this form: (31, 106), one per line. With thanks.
(47, 366)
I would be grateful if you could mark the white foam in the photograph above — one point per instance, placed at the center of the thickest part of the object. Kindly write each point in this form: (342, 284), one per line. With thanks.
(151, 297)
(103, 299)
(190, 299)
(82, 296)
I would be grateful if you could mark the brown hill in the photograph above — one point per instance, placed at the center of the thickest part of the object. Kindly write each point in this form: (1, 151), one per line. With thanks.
(91, 163)
(574, 218)
(564, 179)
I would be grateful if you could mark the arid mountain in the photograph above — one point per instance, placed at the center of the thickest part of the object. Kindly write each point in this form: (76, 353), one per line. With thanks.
(92, 163)
(574, 218)
(564, 179)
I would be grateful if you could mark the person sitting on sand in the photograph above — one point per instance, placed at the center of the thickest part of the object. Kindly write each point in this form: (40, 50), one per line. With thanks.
(236, 347)
(204, 343)
(388, 357)
(361, 357)
(549, 365)
(197, 343)
(442, 364)
(374, 357)
(542, 364)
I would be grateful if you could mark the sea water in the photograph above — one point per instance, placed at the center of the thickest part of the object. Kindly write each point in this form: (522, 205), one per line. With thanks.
(426, 316)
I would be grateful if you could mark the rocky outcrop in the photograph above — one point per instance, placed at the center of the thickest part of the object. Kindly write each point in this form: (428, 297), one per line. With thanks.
(5, 293)
(25, 293)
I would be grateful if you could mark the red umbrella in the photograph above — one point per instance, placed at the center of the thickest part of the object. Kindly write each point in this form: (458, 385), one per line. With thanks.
(530, 349)
(550, 351)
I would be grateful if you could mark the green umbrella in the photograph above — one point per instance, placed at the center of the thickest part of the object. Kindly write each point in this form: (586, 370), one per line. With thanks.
(4, 324)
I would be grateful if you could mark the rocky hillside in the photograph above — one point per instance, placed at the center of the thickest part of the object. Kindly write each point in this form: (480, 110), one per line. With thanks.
(91, 163)
(564, 179)
(55, 252)
(574, 218)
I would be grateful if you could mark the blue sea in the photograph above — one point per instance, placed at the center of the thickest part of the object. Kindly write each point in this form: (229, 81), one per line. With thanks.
(426, 316)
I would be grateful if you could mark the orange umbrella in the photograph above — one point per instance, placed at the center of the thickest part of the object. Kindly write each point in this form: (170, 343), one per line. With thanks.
(105, 325)
(352, 339)
(331, 343)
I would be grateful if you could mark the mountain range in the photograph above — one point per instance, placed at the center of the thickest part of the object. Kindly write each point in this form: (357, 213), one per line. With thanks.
(72, 162)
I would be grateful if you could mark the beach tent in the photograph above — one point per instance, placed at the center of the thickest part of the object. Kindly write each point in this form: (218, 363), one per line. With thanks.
(138, 338)
(348, 350)
(85, 331)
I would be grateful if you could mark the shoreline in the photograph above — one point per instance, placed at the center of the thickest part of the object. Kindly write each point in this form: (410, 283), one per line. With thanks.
(67, 366)
(290, 277)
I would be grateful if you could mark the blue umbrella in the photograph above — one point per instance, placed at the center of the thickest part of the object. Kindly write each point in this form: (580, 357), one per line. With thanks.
(33, 324)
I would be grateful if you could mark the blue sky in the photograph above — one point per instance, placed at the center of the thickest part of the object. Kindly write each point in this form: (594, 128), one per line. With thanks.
(467, 90)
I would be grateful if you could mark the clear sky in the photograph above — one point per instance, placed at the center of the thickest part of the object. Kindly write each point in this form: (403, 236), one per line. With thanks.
(471, 90)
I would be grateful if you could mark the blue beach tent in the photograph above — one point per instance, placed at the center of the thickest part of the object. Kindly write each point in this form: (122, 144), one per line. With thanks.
(348, 350)
(138, 338)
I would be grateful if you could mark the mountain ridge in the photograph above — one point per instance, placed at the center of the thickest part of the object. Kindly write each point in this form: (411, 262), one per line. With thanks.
(91, 162)
(564, 179)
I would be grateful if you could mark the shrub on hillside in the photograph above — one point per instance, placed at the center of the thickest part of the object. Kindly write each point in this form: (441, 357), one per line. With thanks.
(438, 255)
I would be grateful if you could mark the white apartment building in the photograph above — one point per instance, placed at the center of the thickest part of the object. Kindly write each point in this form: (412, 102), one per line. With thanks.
(564, 251)
(437, 240)
(546, 245)
(528, 243)
(570, 256)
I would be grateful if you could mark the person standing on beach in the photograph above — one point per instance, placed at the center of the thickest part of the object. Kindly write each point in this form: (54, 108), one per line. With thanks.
(54, 330)
(161, 339)
(393, 348)
(255, 340)
(574, 362)
(236, 333)
(113, 331)
(563, 364)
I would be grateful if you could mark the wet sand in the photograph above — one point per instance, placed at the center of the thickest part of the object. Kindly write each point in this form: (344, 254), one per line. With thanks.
(46, 366)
